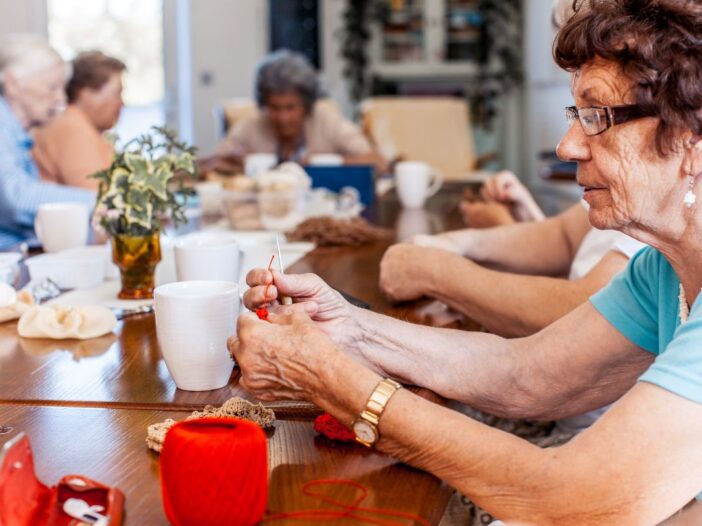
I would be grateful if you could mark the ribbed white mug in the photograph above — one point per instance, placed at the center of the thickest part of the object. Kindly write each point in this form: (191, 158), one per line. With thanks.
(193, 321)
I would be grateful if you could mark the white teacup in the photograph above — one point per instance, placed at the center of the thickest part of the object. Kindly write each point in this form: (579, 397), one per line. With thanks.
(259, 163)
(325, 159)
(60, 226)
(416, 181)
(207, 257)
(193, 321)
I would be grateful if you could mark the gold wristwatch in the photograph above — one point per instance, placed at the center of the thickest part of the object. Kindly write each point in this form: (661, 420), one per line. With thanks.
(365, 427)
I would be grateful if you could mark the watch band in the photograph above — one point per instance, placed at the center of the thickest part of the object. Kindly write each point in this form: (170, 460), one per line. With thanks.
(375, 406)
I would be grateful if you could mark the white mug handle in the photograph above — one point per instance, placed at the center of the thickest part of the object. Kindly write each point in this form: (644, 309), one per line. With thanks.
(37, 229)
(437, 181)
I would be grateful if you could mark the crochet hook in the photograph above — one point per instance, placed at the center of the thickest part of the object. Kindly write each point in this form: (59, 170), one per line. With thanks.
(285, 300)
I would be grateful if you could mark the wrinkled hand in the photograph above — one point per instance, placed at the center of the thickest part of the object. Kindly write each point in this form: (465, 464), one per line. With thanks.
(506, 188)
(406, 271)
(485, 215)
(282, 358)
(310, 294)
(441, 241)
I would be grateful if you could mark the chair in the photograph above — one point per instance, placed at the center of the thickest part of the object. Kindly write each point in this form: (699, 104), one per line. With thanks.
(435, 130)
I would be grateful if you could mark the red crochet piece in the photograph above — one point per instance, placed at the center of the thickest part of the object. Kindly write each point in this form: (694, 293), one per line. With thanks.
(330, 427)
(262, 313)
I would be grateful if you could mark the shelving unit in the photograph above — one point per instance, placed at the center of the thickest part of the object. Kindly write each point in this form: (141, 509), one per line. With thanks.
(428, 39)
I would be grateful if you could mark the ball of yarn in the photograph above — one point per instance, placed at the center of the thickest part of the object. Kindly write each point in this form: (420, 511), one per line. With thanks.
(331, 428)
(214, 471)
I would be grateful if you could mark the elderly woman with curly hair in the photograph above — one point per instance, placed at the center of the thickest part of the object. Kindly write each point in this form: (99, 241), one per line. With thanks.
(636, 133)
(292, 123)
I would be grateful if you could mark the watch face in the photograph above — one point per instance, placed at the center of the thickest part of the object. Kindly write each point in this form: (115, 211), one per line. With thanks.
(364, 431)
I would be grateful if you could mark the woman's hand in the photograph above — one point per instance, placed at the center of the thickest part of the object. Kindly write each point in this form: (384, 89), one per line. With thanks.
(485, 215)
(310, 294)
(506, 188)
(282, 358)
(407, 271)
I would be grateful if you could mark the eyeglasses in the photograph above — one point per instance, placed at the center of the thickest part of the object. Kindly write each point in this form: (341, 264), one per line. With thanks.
(597, 119)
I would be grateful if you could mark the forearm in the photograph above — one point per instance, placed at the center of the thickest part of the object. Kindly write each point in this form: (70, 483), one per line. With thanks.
(481, 370)
(577, 484)
(505, 304)
(21, 197)
(530, 248)
(517, 378)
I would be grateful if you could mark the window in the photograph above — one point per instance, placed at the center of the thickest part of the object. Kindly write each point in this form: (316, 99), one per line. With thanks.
(131, 30)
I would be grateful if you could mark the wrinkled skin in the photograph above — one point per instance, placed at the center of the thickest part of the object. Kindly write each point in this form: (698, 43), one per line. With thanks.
(627, 184)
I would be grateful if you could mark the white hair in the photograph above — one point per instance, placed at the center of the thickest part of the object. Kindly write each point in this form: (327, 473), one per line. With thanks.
(25, 54)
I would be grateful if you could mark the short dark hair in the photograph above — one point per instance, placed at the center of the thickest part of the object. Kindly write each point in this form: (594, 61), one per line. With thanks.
(657, 44)
(91, 69)
(285, 71)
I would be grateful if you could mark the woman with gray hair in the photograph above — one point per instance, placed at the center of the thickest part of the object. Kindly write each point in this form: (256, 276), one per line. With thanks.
(294, 123)
(32, 79)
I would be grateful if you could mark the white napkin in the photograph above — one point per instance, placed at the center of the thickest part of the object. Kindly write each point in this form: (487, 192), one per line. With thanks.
(13, 304)
(61, 322)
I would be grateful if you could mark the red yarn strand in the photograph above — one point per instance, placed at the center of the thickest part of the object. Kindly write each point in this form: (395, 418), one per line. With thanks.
(262, 312)
(352, 510)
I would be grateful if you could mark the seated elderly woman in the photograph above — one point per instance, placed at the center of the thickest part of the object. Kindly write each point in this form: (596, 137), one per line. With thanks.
(637, 138)
(72, 147)
(32, 80)
(292, 124)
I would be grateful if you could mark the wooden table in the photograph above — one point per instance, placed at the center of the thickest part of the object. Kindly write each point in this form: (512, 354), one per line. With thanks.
(108, 445)
(86, 405)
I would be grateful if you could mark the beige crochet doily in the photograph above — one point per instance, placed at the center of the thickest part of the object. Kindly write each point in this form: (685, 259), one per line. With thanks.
(234, 408)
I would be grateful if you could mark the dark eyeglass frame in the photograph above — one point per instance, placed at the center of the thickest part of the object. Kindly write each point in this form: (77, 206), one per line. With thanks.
(614, 115)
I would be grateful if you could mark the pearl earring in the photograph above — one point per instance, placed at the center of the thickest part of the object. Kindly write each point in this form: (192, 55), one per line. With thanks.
(690, 197)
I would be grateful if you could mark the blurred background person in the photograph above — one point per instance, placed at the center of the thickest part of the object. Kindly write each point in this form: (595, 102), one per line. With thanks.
(32, 82)
(72, 147)
(292, 124)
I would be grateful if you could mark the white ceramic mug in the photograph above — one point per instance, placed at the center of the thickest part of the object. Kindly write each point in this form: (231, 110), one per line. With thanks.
(193, 321)
(258, 163)
(416, 181)
(206, 256)
(325, 159)
(61, 225)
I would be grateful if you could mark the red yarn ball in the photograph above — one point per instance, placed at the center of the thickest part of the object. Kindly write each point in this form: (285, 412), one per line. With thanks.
(330, 427)
(214, 471)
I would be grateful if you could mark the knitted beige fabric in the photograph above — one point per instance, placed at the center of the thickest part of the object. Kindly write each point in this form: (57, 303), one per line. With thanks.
(23, 303)
(233, 408)
(60, 322)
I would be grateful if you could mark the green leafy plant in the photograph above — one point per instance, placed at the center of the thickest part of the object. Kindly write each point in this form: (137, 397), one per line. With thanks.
(144, 185)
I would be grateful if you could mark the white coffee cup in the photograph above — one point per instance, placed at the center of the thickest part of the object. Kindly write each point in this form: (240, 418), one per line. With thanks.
(259, 163)
(415, 182)
(204, 256)
(325, 159)
(60, 226)
(193, 321)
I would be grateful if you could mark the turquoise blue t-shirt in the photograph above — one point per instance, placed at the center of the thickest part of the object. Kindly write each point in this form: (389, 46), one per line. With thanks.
(642, 303)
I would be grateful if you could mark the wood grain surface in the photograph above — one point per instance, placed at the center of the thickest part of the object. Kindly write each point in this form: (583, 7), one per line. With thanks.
(108, 446)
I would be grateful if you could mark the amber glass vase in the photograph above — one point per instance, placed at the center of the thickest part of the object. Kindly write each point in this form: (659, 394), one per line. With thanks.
(137, 257)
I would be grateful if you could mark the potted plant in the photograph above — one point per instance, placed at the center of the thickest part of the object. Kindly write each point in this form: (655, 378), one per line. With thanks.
(137, 192)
